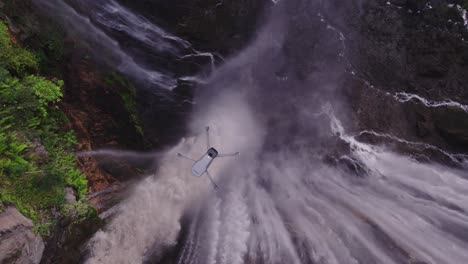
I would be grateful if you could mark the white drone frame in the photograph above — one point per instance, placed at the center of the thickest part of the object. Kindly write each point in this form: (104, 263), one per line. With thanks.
(201, 165)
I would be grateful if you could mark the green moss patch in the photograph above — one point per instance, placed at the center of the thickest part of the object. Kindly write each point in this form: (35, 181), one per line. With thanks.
(127, 93)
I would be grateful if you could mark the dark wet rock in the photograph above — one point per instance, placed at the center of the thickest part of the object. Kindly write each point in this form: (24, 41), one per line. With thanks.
(21, 19)
(219, 27)
(211, 25)
(407, 46)
(358, 56)
(68, 240)
(452, 124)
(353, 166)
(18, 243)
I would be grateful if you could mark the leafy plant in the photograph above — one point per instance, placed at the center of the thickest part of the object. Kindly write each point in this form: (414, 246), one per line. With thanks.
(79, 209)
(13, 57)
(47, 92)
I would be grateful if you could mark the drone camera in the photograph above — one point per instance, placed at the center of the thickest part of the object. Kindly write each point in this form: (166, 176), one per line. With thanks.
(212, 152)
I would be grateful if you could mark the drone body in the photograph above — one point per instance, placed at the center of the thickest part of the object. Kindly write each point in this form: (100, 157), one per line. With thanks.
(200, 166)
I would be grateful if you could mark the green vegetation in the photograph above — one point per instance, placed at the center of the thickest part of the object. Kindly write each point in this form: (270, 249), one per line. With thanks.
(78, 210)
(51, 51)
(42, 36)
(127, 93)
(14, 58)
(36, 154)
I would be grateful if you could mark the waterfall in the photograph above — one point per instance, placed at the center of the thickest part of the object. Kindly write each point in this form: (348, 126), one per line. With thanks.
(282, 200)
(106, 27)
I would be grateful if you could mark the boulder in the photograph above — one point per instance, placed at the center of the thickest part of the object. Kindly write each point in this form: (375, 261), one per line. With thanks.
(70, 196)
(18, 243)
(37, 152)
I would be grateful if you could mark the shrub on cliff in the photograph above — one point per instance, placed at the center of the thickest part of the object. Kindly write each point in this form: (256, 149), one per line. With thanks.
(14, 58)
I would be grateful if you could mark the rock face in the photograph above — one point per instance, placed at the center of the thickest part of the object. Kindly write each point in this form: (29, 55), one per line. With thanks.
(405, 65)
(98, 116)
(69, 239)
(414, 58)
(18, 243)
(211, 25)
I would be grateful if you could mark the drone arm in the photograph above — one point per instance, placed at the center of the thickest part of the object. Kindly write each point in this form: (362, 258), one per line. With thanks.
(208, 137)
(184, 157)
(228, 155)
(211, 180)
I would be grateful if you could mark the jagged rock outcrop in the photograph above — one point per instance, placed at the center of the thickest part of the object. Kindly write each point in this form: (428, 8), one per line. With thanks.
(18, 243)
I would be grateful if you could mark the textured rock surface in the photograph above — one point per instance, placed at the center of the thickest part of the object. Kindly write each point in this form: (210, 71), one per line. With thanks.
(415, 48)
(401, 62)
(18, 243)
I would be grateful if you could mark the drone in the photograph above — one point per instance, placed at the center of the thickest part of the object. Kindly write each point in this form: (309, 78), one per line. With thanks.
(200, 166)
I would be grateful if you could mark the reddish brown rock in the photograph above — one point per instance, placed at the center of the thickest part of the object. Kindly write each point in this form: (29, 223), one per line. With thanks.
(99, 118)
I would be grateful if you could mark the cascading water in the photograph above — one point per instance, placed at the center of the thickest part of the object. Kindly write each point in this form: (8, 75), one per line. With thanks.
(103, 25)
(280, 202)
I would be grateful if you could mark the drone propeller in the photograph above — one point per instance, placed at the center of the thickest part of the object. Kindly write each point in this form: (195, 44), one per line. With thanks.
(185, 157)
(215, 186)
(207, 137)
(228, 155)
